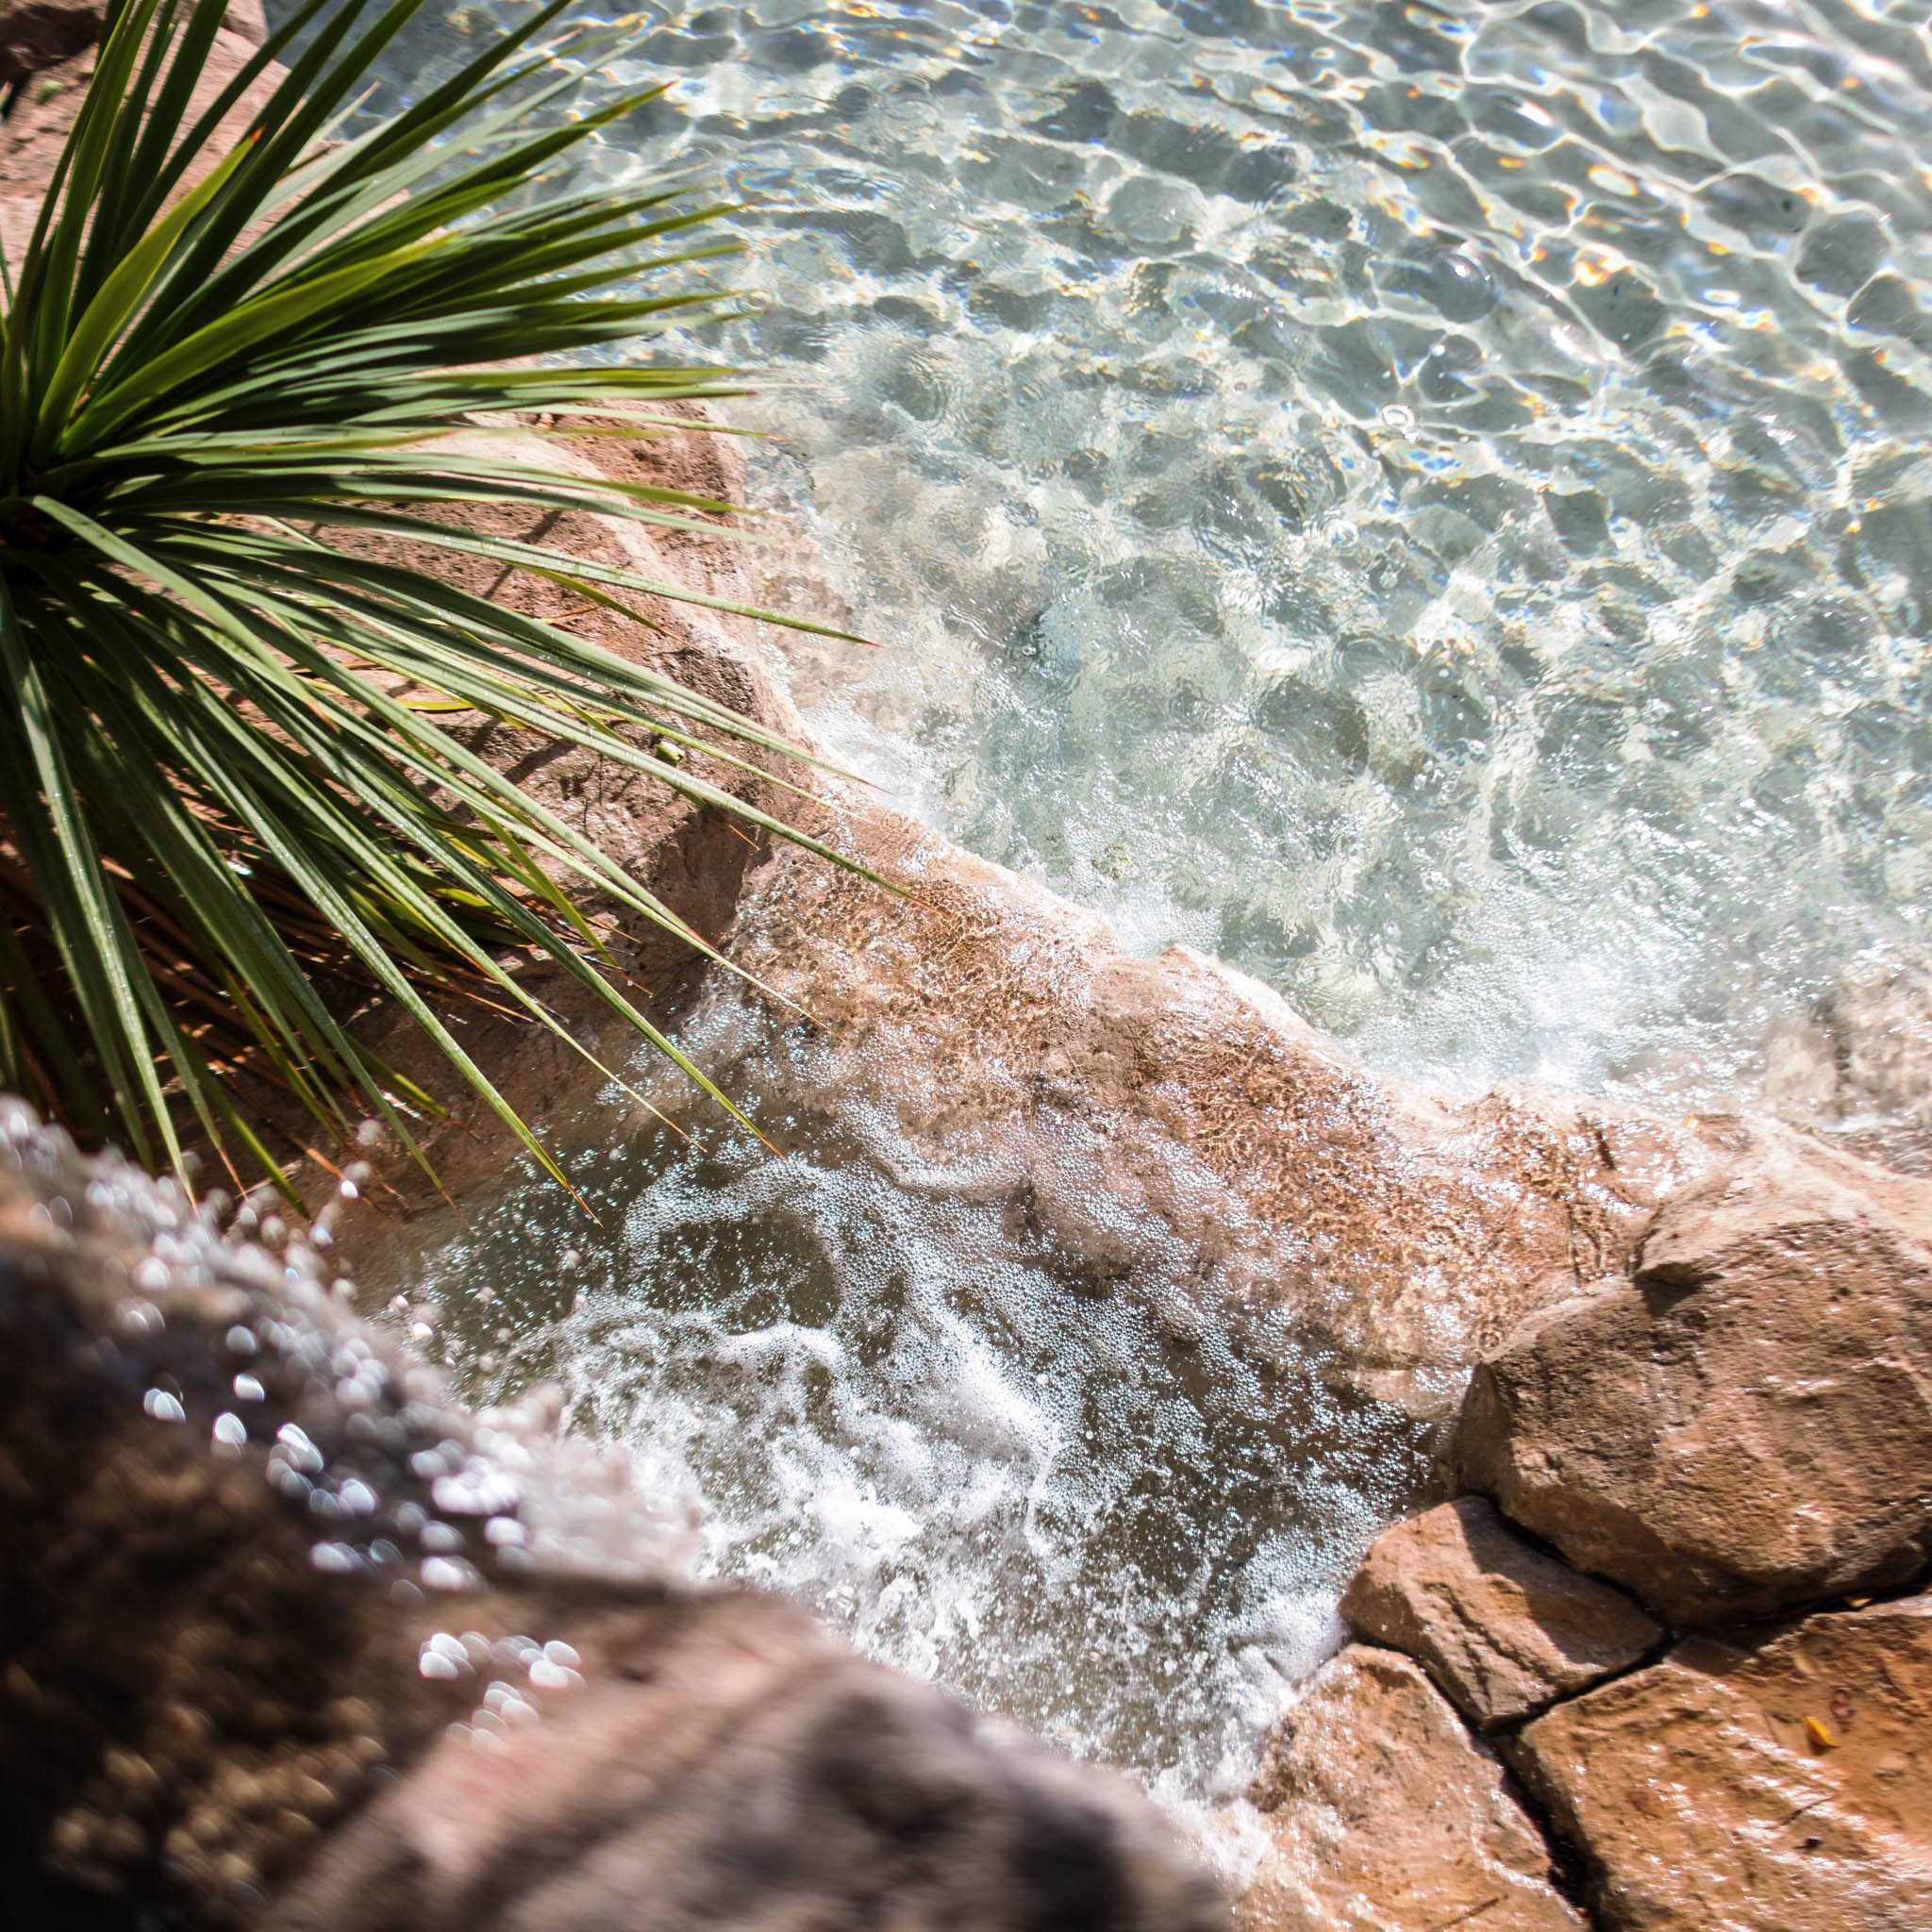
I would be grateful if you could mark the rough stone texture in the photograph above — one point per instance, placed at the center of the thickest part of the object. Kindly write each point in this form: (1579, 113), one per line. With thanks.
(1749, 1426)
(1503, 1628)
(36, 35)
(241, 1617)
(693, 860)
(1386, 1815)
(1705, 1802)
(42, 111)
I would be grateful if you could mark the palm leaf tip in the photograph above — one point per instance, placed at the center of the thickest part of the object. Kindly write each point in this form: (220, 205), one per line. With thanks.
(235, 804)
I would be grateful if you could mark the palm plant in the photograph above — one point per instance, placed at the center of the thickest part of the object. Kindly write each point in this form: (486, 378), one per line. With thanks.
(222, 800)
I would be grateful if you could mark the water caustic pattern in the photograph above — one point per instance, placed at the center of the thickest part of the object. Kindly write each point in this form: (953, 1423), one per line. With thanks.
(1067, 1493)
(1430, 504)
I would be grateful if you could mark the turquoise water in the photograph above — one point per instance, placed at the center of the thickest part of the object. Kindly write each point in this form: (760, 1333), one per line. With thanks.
(1433, 507)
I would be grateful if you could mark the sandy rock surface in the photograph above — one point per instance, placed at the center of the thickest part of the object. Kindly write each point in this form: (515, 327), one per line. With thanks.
(1406, 1232)
(1747, 1426)
(1385, 1815)
(1503, 1628)
(1755, 1783)
(47, 53)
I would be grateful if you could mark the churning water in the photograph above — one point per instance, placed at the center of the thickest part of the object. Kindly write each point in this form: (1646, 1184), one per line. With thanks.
(1084, 1504)
(1431, 504)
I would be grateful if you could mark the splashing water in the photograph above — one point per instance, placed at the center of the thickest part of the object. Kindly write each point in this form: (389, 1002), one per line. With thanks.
(1432, 508)
(1064, 1489)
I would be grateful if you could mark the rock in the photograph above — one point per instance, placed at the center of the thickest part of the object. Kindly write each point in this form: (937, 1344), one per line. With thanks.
(1756, 1782)
(1385, 1815)
(1505, 1629)
(248, 19)
(1748, 1426)
(989, 1021)
(256, 1569)
(42, 114)
(38, 34)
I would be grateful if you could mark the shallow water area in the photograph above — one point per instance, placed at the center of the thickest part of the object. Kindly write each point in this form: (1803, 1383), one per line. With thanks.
(1428, 506)
(1063, 1487)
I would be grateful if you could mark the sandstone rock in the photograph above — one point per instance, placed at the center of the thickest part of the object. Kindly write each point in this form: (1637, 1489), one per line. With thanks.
(256, 1571)
(43, 112)
(1755, 1783)
(1385, 1815)
(1749, 1425)
(1503, 1628)
(38, 34)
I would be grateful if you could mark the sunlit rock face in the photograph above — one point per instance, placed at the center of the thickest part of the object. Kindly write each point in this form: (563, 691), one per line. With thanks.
(288, 1641)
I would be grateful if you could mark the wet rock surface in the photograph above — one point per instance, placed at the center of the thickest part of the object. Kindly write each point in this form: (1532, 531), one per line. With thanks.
(1501, 1627)
(286, 1641)
(1404, 1233)
(1385, 1815)
(1745, 1427)
(1755, 1781)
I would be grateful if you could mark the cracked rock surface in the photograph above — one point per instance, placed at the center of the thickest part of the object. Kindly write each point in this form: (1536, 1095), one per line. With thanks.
(1503, 1628)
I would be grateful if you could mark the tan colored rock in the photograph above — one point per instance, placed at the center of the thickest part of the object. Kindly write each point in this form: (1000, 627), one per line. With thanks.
(1778, 1780)
(36, 35)
(1503, 1628)
(44, 109)
(1385, 1815)
(1749, 1426)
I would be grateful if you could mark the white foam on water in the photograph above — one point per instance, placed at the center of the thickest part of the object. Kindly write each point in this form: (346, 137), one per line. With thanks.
(1069, 1492)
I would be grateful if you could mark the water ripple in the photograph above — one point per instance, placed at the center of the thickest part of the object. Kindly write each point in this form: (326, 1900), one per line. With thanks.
(1432, 508)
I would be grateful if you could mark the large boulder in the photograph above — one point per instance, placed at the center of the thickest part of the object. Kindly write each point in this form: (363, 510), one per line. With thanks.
(1755, 1783)
(1385, 1815)
(1747, 1426)
(286, 1641)
(1503, 1628)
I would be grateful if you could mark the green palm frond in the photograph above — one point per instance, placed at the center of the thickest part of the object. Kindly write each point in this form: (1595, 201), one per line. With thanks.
(220, 376)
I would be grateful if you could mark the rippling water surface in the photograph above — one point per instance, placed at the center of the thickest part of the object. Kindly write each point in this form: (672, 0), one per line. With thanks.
(1432, 505)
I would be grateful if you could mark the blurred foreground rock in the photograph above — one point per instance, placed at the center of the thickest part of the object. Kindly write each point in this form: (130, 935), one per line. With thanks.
(285, 1642)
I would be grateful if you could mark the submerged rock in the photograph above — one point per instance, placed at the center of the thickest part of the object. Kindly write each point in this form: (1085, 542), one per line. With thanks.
(288, 1642)
(1385, 1815)
(1755, 1782)
(1747, 1426)
(1503, 1628)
